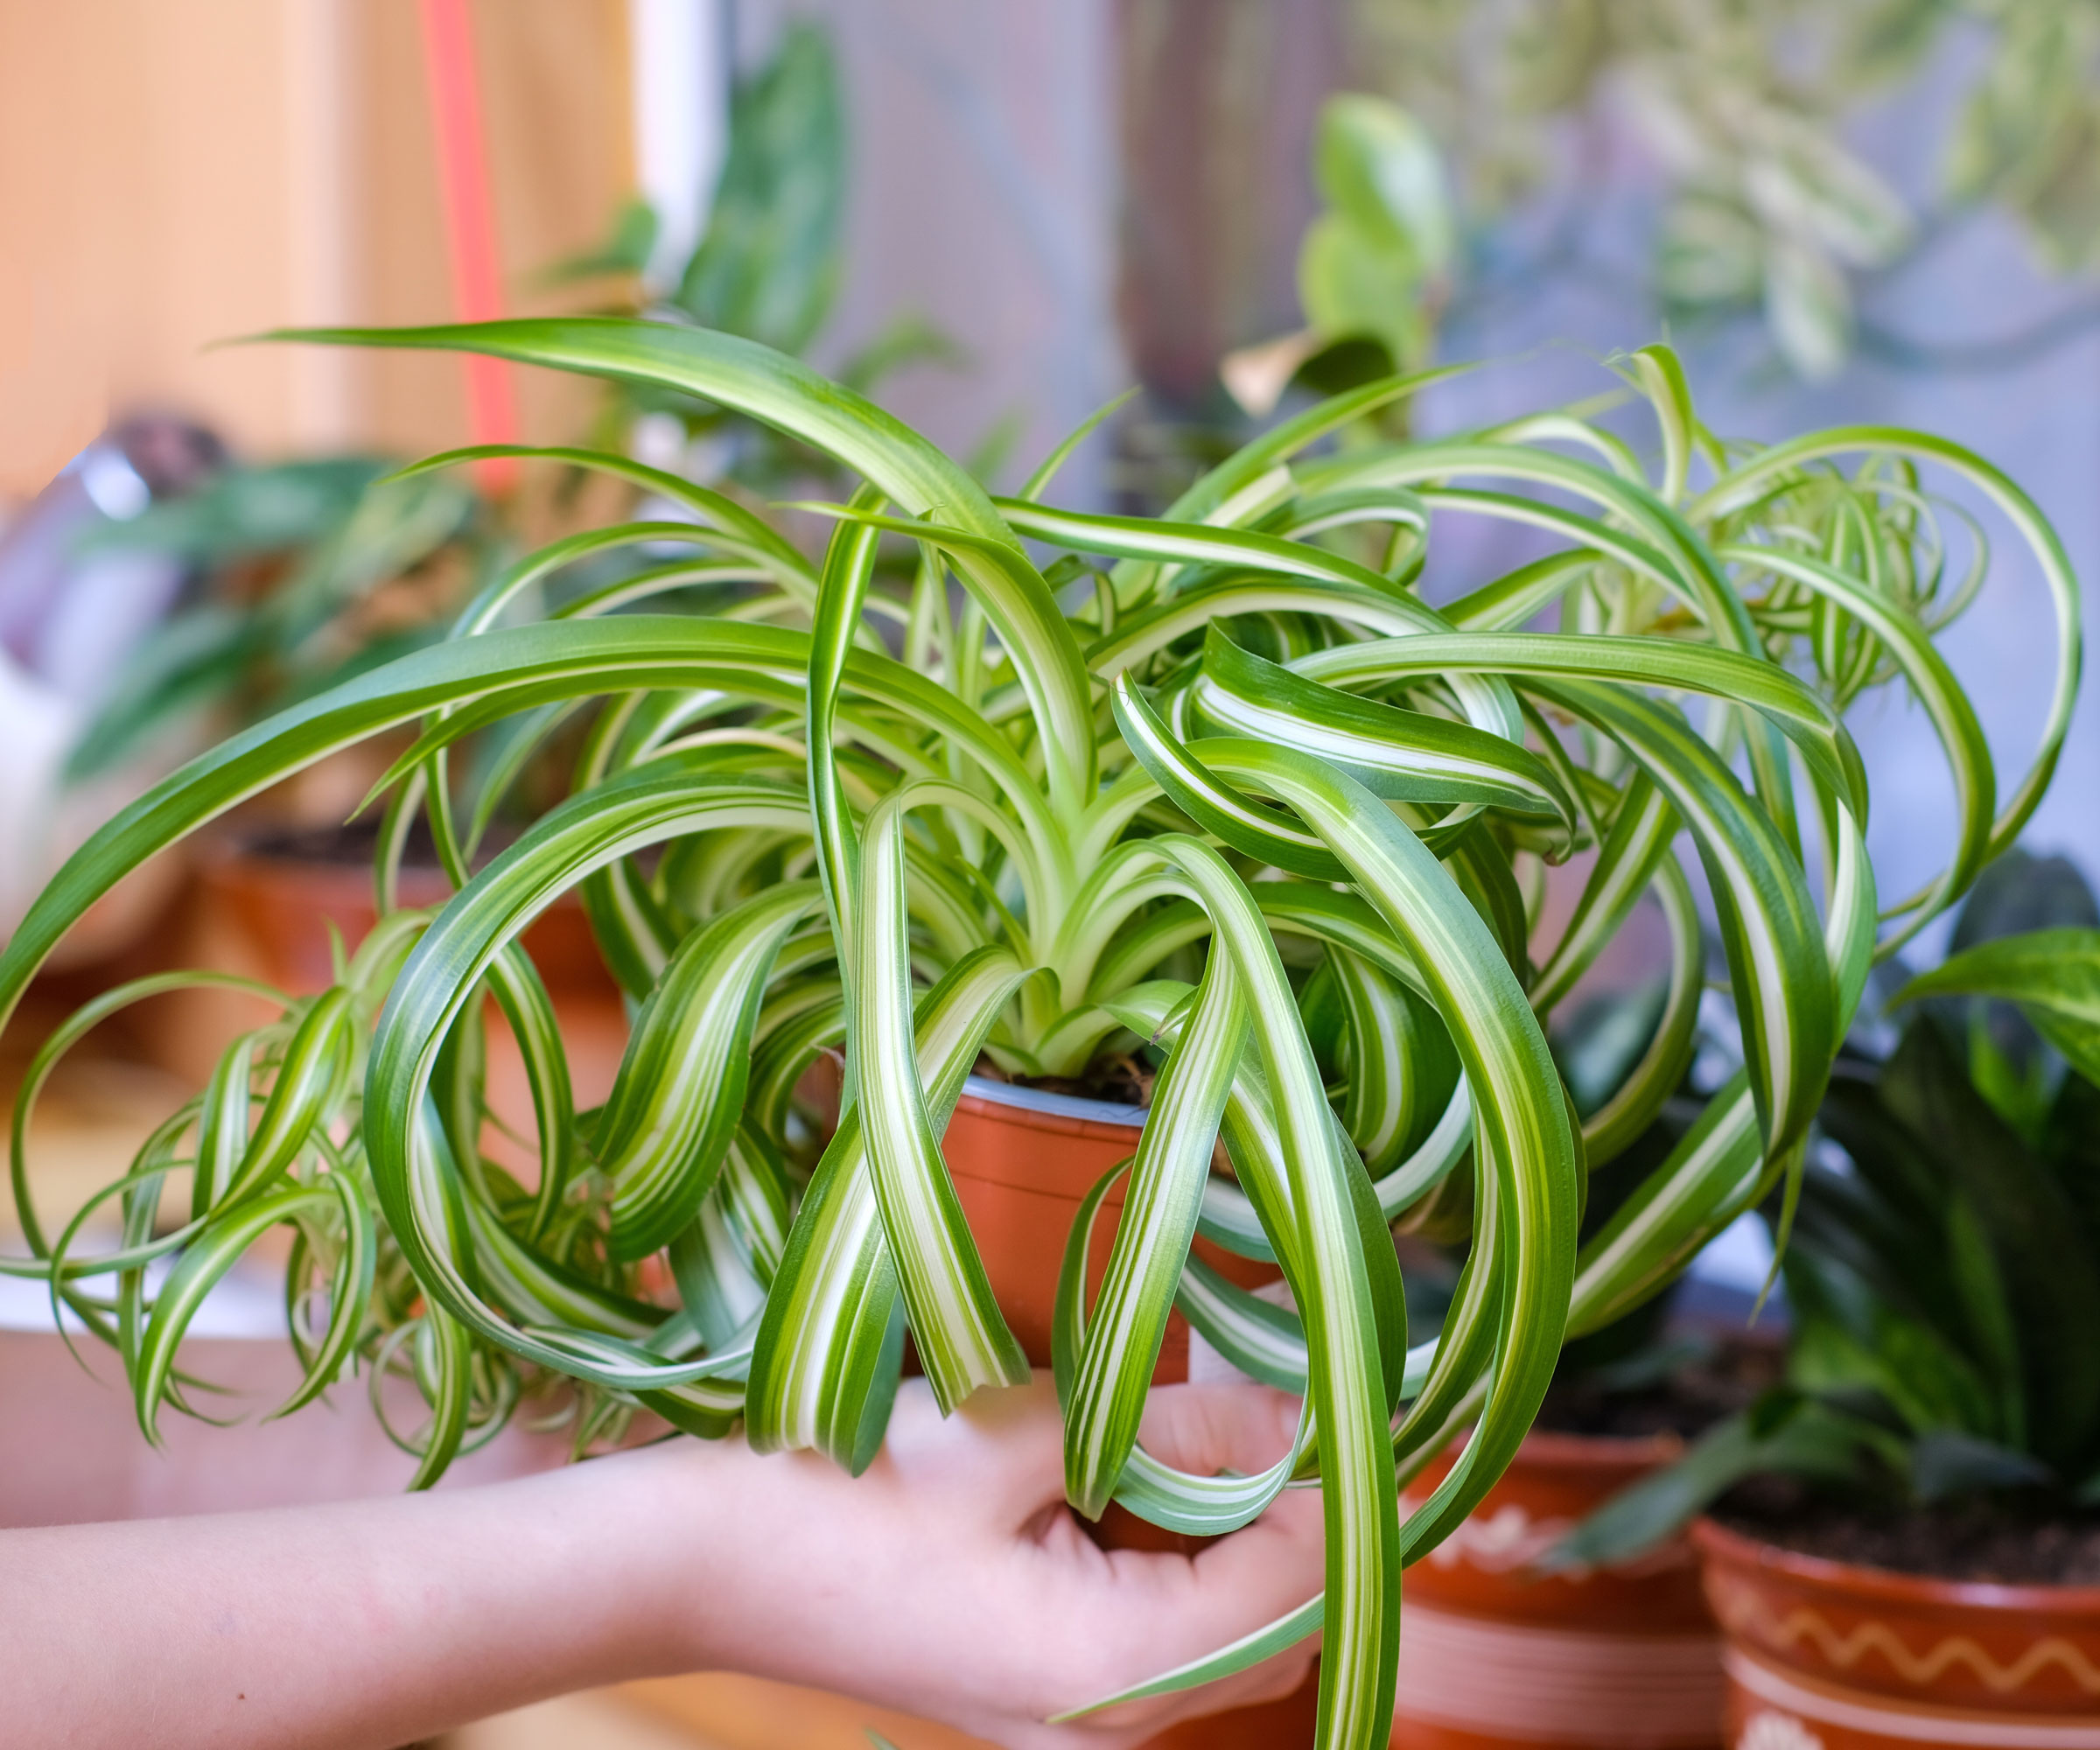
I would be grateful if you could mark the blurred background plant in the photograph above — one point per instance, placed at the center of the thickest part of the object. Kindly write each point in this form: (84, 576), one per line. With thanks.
(1373, 274)
(299, 574)
(1749, 113)
(1374, 266)
(767, 267)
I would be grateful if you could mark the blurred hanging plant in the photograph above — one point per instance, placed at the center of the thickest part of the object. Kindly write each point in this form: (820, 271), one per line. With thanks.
(1247, 799)
(305, 572)
(1744, 108)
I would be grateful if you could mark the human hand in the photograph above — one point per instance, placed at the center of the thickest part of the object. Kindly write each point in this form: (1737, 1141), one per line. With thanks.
(951, 1580)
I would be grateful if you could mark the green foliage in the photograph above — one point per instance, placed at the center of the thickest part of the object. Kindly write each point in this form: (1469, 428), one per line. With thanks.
(766, 268)
(1386, 236)
(1229, 789)
(626, 249)
(2026, 137)
(2054, 975)
(769, 265)
(1373, 266)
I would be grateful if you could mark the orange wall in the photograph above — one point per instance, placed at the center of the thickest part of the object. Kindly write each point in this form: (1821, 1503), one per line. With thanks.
(178, 171)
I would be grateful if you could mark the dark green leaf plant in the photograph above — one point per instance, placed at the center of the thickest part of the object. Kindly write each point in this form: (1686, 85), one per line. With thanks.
(1943, 1273)
(1207, 784)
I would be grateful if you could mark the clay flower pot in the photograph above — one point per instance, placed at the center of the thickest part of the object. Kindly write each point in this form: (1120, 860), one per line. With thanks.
(1825, 1655)
(1022, 1160)
(266, 914)
(1493, 1653)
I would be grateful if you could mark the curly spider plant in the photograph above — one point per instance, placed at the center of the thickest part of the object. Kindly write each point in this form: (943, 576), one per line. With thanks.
(1251, 799)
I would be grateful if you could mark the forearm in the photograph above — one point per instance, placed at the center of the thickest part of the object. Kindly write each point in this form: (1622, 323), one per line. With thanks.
(79, 1457)
(368, 1624)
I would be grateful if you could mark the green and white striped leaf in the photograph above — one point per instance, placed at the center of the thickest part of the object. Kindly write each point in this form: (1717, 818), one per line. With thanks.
(1113, 1371)
(1410, 756)
(674, 1103)
(782, 393)
(961, 1333)
(1520, 1107)
(204, 1264)
(309, 1081)
(829, 1344)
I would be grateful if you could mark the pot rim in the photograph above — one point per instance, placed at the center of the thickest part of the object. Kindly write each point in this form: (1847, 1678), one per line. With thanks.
(259, 843)
(234, 858)
(1558, 1449)
(1041, 1103)
(1717, 1542)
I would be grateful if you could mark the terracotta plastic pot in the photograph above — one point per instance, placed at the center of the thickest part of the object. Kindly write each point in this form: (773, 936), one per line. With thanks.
(1022, 1160)
(1494, 1654)
(1825, 1655)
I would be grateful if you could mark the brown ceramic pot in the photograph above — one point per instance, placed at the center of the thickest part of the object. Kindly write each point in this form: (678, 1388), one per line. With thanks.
(283, 905)
(1022, 1161)
(1825, 1655)
(1493, 1653)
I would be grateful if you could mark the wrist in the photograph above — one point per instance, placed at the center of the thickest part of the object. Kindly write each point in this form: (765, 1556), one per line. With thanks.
(666, 1531)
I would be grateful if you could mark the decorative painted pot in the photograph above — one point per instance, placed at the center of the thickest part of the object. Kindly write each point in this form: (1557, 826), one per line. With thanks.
(1825, 1655)
(1022, 1160)
(1494, 1654)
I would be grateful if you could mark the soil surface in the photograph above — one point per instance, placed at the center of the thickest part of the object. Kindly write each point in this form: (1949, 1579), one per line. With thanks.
(1982, 1541)
(1122, 1081)
(1727, 1376)
(355, 841)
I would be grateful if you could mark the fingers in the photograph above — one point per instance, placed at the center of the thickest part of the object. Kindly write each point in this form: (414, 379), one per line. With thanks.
(1018, 1434)
(1007, 1445)
(995, 1560)
(1158, 1612)
(1205, 1429)
(1270, 1681)
(1149, 1614)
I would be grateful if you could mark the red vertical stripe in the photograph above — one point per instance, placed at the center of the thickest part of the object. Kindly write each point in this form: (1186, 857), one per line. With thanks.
(470, 219)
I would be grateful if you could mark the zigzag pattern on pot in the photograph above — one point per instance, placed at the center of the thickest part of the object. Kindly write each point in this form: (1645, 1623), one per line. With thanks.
(1742, 1611)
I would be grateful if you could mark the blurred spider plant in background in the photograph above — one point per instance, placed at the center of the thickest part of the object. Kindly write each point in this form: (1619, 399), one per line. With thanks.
(1219, 783)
